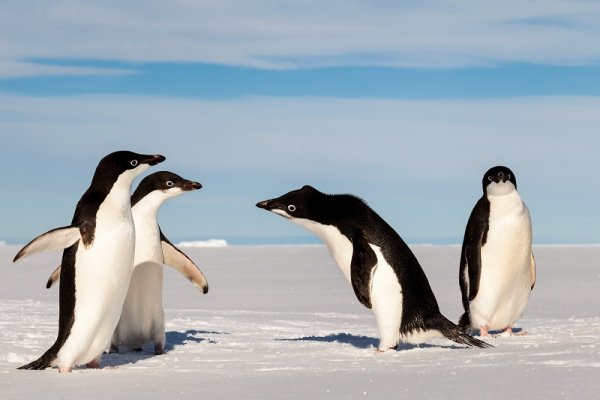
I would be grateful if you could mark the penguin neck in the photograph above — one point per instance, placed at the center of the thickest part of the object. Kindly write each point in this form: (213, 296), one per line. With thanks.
(339, 245)
(147, 207)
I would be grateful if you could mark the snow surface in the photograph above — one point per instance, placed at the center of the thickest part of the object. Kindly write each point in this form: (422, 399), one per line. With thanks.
(280, 322)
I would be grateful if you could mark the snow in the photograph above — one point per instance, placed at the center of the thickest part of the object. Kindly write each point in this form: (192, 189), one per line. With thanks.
(281, 322)
(204, 243)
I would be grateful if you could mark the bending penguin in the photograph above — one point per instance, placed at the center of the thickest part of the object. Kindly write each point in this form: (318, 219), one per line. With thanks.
(384, 273)
(142, 318)
(97, 263)
(497, 267)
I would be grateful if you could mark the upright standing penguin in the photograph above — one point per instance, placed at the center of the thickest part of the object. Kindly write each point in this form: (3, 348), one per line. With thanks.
(97, 263)
(143, 319)
(497, 268)
(384, 273)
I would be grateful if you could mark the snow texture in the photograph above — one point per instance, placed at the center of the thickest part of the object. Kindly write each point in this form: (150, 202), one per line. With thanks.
(280, 322)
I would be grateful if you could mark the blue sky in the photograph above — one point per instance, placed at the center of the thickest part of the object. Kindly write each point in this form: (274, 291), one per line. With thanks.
(405, 104)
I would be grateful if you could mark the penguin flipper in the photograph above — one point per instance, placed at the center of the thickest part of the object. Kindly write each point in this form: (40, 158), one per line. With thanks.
(532, 271)
(55, 239)
(363, 262)
(177, 259)
(54, 277)
(470, 260)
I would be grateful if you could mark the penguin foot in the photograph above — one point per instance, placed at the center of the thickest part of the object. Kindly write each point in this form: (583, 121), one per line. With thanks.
(159, 349)
(113, 349)
(484, 330)
(64, 370)
(508, 331)
(93, 364)
(381, 350)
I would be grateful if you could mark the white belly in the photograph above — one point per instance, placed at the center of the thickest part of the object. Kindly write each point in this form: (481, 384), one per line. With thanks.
(142, 318)
(505, 280)
(102, 275)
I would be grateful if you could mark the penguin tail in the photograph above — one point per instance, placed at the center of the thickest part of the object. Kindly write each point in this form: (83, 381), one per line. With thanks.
(464, 323)
(456, 334)
(41, 363)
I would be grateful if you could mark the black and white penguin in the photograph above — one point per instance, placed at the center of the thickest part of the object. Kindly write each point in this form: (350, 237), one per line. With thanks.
(497, 267)
(384, 273)
(142, 318)
(97, 263)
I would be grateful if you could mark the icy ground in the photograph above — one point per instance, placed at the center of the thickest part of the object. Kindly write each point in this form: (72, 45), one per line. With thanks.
(281, 323)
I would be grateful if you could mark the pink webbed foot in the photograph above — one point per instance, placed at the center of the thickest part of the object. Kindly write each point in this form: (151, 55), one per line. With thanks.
(484, 330)
(509, 331)
(64, 370)
(93, 364)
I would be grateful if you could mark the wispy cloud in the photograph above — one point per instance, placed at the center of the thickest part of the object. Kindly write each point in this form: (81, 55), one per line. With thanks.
(13, 69)
(418, 162)
(275, 34)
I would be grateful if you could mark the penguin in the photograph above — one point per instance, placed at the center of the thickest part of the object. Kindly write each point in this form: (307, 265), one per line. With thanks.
(384, 273)
(142, 317)
(97, 263)
(497, 267)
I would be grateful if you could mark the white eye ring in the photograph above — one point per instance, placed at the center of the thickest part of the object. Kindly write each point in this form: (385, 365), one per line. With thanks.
(292, 208)
(508, 176)
(169, 183)
(134, 163)
(490, 178)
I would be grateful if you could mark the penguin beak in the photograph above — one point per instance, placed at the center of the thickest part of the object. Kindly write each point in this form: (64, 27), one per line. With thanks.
(154, 159)
(501, 177)
(189, 185)
(274, 206)
(265, 205)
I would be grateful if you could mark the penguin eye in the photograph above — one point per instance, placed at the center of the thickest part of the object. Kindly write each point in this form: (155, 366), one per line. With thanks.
(134, 163)
(292, 208)
(169, 183)
(490, 178)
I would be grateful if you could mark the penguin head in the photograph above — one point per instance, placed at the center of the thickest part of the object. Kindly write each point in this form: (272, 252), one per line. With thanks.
(124, 165)
(499, 181)
(301, 203)
(163, 185)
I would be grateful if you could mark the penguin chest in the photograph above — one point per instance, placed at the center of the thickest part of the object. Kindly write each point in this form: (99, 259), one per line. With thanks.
(384, 288)
(505, 280)
(147, 241)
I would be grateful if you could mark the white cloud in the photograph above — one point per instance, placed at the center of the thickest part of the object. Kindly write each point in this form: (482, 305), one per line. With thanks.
(275, 34)
(21, 69)
(418, 163)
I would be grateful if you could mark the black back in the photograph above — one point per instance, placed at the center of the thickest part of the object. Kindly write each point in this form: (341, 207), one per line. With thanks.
(358, 222)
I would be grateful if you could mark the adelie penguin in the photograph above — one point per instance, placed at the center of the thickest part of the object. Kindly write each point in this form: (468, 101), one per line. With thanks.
(143, 319)
(97, 263)
(384, 273)
(497, 267)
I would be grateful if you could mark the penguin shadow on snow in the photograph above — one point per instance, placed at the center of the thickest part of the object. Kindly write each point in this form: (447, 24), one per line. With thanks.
(174, 339)
(365, 342)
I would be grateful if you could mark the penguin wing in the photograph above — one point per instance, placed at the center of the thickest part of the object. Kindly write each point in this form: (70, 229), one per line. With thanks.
(361, 266)
(532, 271)
(54, 277)
(177, 259)
(55, 239)
(470, 258)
